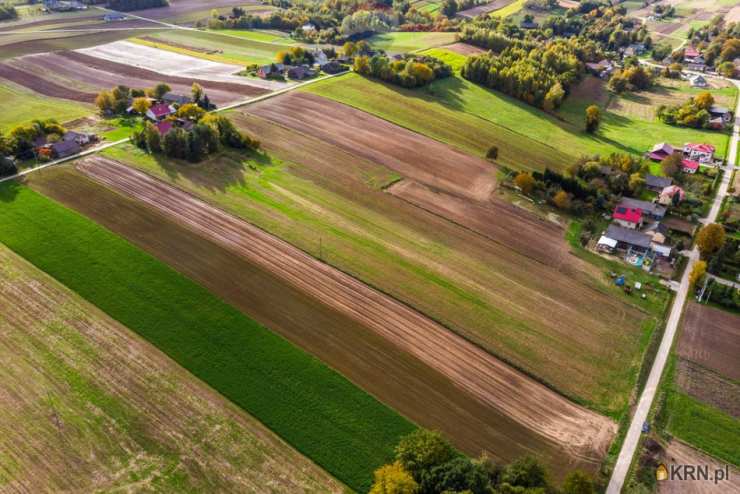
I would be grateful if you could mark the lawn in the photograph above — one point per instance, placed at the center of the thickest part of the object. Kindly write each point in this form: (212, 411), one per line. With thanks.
(21, 105)
(312, 407)
(472, 118)
(405, 42)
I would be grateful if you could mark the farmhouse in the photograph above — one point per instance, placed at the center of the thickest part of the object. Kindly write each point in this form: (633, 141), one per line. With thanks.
(660, 151)
(627, 217)
(63, 149)
(626, 239)
(717, 111)
(319, 57)
(159, 111)
(299, 72)
(689, 166)
(601, 69)
(703, 153)
(271, 70)
(690, 54)
(657, 184)
(650, 210)
(80, 138)
(333, 67)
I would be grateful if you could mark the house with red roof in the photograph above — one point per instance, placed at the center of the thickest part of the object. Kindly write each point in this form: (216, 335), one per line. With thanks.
(689, 166)
(160, 111)
(660, 151)
(703, 153)
(690, 53)
(627, 217)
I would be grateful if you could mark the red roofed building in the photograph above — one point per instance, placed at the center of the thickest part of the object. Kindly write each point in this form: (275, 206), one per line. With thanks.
(703, 153)
(661, 151)
(689, 166)
(159, 111)
(627, 217)
(690, 53)
(164, 126)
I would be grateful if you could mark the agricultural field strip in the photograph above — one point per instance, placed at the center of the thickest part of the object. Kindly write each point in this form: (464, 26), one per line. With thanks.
(577, 429)
(711, 338)
(315, 409)
(102, 383)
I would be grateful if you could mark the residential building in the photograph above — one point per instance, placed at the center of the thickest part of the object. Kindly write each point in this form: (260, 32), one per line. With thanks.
(627, 217)
(698, 81)
(333, 67)
(671, 195)
(717, 111)
(650, 210)
(626, 238)
(63, 149)
(271, 70)
(657, 184)
(600, 69)
(164, 126)
(703, 153)
(660, 151)
(299, 72)
(690, 54)
(160, 111)
(689, 166)
(176, 99)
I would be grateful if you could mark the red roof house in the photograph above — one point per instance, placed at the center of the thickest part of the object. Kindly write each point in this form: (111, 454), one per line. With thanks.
(690, 52)
(660, 151)
(163, 126)
(703, 153)
(159, 111)
(627, 217)
(689, 166)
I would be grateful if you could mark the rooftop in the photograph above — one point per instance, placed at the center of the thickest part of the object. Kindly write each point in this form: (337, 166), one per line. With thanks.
(631, 215)
(628, 236)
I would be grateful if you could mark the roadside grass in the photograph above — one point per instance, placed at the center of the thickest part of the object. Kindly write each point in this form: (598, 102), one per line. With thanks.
(407, 255)
(313, 408)
(20, 106)
(398, 42)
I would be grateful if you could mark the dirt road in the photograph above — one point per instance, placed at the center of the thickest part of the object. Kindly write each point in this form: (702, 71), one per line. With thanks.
(582, 433)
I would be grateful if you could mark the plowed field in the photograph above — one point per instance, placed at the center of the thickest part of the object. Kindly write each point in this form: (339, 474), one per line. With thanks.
(711, 337)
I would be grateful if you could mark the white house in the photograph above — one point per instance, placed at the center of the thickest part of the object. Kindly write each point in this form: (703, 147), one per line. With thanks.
(703, 153)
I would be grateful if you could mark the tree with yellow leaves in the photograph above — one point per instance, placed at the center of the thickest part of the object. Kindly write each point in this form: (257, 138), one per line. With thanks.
(141, 105)
(697, 272)
(394, 479)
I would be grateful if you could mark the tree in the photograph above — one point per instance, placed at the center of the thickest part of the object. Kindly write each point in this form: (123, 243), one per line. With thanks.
(554, 97)
(457, 475)
(422, 450)
(578, 482)
(449, 8)
(190, 111)
(152, 138)
(7, 167)
(710, 239)
(636, 183)
(726, 69)
(671, 164)
(525, 182)
(526, 472)
(562, 200)
(104, 101)
(697, 272)
(704, 100)
(160, 90)
(393, 479)
(196, 90)
(492, 153)
(593, 117)
(141, 105)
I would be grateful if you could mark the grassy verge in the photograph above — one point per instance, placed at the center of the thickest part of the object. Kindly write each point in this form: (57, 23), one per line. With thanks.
(316, 410)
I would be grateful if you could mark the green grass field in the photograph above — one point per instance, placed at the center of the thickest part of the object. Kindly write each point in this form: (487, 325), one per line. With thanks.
(21, 105)
(472, 118)
(405, 42)
(511, 9)
(263, 36)
(313, 408)
(245, 48)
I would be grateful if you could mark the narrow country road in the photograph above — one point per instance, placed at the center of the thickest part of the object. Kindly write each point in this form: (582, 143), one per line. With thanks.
(631, 441)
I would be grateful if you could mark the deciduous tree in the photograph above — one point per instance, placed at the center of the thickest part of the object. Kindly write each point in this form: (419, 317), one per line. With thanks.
(697, 272)
(393, 479)
(578, 482)
(593, 118)
(562, 200)
(525, 182)
(710, 239)
(141, 105)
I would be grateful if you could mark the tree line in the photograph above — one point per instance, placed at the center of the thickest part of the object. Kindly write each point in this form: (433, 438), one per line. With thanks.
(425, 463)
(692, 113)
(7, 12)
(409, 71)
(128, 5)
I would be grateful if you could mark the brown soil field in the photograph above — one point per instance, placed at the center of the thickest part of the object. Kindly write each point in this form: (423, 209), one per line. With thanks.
(499, 221)
(683, 454)
(42, 86)
(331, 316)
(412, 155)
(51, 41)
(711, 338)
(709, 387)
(37, 72)
(179, 8)
(88, 406)
(530, 314)
(464, 49)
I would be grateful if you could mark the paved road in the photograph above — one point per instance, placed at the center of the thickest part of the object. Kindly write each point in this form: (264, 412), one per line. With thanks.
(648, 394)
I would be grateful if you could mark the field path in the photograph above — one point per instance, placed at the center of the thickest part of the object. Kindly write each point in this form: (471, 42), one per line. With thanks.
(584, 434)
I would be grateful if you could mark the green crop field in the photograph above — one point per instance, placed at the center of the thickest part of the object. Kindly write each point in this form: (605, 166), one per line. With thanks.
(21, 105)
(405, 42)
(472, 118)
(313, 408)
(212, 45)
(263, 36)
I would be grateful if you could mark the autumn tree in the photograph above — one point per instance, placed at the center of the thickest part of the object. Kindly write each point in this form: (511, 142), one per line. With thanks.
(152, 138)
(393, 479)
(196, 90)
(697, 272)
(160, 90)
(141, 105)
(710, 239)
(554, 97)
(105, 102)
(190, 111)
(704, 100)
(671, 164)
(492, 153)
(593, 118)
(525, 182)
(726, 69)
(562, 200)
